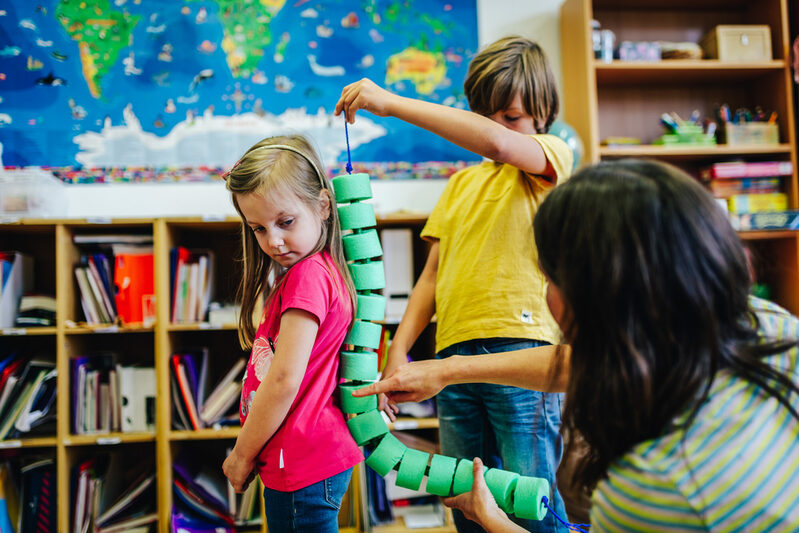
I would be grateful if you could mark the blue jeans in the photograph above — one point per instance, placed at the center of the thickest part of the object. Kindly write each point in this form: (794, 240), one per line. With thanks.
(312, 509)
(507, 427)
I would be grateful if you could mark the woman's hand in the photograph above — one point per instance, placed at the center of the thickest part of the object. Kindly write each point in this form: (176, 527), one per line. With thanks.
(479, 505)
(384, 403)
(239, 471)
(410, 382)
(363, 94)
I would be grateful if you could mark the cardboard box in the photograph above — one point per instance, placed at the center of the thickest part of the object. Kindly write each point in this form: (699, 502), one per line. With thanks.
(747, 43)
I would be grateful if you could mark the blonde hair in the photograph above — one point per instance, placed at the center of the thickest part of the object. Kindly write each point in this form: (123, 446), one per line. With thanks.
(510, 66)
(284, 163)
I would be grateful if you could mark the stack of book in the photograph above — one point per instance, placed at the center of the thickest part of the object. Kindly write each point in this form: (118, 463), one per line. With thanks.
(204, 498)
(108, 397)
(111, 498)
(192, 283)
(195, 408)
(115, 278)
(28, 495)
(27, 397)
(752, 192)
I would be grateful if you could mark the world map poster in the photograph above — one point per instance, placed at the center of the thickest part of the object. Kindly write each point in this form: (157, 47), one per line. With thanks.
(168, 83)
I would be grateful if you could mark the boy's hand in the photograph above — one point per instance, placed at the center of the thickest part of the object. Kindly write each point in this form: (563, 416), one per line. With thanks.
(239, 472)
(363, 94)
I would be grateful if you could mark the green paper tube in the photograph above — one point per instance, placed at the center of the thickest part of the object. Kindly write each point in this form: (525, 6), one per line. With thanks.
(359, 366)
(371, 307)
(501, 484)
(350, 187)
(527, 498)
(439, 478)
(387, 454)
(367, 426)
(353, 405)
(359, 246)
(364, 334)
(464, 476)
(412, 468)
(368, 276)
(356, 216)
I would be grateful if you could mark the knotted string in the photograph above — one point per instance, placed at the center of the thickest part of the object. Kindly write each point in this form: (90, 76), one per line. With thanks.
(582, 528)
(349, 155)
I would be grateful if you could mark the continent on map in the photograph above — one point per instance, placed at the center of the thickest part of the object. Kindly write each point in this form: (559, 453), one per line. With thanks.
(426, 70)
(101, 33)
(246, 32)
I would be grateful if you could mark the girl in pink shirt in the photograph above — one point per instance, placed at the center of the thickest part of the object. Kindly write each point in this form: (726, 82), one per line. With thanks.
(293, 433)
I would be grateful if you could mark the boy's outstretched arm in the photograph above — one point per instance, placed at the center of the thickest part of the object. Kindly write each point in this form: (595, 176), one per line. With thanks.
(468, 130)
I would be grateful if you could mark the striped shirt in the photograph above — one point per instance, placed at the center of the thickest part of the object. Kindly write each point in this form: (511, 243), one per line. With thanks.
(735, 469)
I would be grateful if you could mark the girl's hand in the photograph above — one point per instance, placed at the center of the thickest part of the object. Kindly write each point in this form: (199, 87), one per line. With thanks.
(410, 382)
(363, 94)
(239, 471)
(479, 505)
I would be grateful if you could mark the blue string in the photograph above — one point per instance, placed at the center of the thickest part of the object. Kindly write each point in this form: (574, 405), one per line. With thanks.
(349, 156)
(571, 527)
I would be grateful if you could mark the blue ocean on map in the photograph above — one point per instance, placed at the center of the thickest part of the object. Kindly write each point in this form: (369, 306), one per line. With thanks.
(188, 83)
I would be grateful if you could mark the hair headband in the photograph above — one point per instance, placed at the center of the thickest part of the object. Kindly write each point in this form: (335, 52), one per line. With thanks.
(290, 149)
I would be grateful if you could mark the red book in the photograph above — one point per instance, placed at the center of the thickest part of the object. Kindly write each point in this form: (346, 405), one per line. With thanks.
(742, 169)
(133, 276)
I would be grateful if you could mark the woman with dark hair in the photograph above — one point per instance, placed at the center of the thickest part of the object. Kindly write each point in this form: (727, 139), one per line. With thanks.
(682, 385)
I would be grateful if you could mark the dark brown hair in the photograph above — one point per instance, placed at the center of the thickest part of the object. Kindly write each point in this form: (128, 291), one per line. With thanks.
(510, 66)
(656, 290)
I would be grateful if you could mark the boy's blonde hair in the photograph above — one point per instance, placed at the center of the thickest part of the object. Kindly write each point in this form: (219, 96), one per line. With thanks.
(510, 66)
(287, 164)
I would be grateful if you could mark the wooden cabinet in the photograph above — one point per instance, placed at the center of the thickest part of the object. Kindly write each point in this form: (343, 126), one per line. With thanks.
(51, 244)
(607, 99)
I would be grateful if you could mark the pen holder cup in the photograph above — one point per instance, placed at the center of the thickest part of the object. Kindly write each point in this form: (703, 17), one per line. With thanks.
(752, 133)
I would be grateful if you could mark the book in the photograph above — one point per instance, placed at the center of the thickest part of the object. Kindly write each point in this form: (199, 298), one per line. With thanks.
(212, 406)
(757, 203)
(133, 277)
(137, 391)
(750, 169)
(17, 279)
(724, 188)
(779, 220)
(92, 309)
(179, 368)
(38, 496)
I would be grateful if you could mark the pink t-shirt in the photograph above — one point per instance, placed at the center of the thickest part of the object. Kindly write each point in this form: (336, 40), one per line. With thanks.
(313, 442)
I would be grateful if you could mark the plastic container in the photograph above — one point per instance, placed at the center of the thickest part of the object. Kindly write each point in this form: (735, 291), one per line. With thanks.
(31, 192)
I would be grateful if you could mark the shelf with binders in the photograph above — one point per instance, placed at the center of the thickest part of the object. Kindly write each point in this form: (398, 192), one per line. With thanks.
(202, 496)
(28, 481)
(28, 389)
(27, 279)
(205, 372)
(199, 263)
(110, 389)
(112, 488)
(107, 270)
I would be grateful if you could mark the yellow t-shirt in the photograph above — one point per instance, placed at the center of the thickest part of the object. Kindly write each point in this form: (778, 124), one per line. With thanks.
(489, 284)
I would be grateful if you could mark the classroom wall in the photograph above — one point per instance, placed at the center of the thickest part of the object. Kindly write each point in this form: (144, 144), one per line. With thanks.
(537, 19)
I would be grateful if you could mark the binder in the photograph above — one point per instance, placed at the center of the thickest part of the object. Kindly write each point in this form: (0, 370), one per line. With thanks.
(133, 278)
(17, 279)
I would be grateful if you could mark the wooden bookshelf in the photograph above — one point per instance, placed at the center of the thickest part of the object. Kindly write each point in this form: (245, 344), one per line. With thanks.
(50, 243)
(626, 99)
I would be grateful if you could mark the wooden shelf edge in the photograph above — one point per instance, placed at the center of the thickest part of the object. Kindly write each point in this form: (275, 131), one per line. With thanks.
(32, 442)
(108, 439)
(413, 423)
(720, 150)
(205, 434)
(760, 235)
(24, 331)
(688, 64)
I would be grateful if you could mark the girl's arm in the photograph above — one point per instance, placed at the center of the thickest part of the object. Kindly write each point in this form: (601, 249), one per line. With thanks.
(468, 130)
(275, 394)
(545, 368)
(420, 310)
